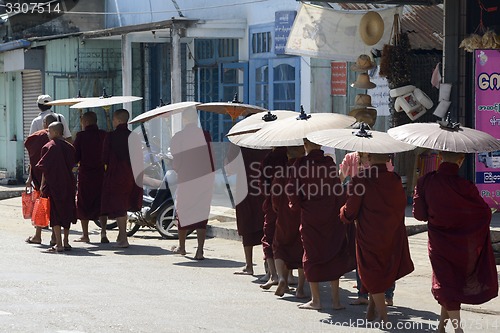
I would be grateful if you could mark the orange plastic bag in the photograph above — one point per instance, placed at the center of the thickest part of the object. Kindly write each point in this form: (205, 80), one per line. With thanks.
(28, 198)
(41, 212)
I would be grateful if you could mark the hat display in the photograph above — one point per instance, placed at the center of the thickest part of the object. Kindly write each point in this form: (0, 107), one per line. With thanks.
(363, 63)
(365, 115)
(363, 82)
(362, 101)
(44, 99)
(371, 28)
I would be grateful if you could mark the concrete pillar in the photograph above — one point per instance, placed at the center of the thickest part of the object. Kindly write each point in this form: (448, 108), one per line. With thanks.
(176, 92)
(127, 70)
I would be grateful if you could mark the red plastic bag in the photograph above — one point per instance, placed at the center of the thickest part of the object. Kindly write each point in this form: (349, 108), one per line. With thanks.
(28, 198)
(41, 212)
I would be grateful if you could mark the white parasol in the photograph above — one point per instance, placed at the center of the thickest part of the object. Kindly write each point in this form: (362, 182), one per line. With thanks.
(244, 128)
(67, 101)
(362, 140)
(163, 111)
(103, 101)
(292, 131)
(445, 136)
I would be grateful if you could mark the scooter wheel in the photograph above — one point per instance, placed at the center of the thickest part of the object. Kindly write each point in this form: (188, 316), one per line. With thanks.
(166, 222)
(132, 228)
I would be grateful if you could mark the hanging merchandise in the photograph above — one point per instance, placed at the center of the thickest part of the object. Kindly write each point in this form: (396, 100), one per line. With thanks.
(385, 61)
(444, 100)
(482, 38)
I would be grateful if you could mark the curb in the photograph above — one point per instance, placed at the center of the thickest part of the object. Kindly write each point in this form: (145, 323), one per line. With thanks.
(10, 194)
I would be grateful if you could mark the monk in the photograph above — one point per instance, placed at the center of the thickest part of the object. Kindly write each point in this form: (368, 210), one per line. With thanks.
(34, 144)
(249, 214)
(58, 184)
(460, 251)
(376, 202)
(315, 192)
(88, 147)
(275, 161)
(287, 245)
(122, 187)
(194, 165)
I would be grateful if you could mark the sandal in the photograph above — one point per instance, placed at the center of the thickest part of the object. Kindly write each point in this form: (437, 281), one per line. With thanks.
(29, 240)
(54, 249)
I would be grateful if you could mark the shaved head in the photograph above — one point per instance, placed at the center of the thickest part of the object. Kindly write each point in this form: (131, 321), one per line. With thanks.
(121, 116)
(451, 157)
(56, 130)
(49, 119)
(378, 158)
(89, 118)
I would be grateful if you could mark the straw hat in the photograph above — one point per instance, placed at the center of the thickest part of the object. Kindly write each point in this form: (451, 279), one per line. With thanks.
(362, 101)
(363, 64)
(371, 28)
(365, 115)
(363, 82)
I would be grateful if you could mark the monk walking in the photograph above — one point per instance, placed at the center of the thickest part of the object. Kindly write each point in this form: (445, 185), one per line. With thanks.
(315, 191)
(194, 165)
(88, 147)
(377, 202)
(34, 144)
(249, 214)
(58, 184)
(275, 162)
(287, 244)
(460, 251)
(122, 187)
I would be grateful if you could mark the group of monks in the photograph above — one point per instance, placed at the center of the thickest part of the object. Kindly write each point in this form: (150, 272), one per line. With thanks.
(323, 234)
(106, 188)
(326, 234)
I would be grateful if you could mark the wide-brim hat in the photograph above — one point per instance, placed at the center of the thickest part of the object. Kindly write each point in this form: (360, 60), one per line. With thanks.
(363, 82)
(371, 28)
(362, 101)
(363, 63)
(365, 115)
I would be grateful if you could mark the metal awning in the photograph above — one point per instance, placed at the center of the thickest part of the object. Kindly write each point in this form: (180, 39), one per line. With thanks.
(388, 2)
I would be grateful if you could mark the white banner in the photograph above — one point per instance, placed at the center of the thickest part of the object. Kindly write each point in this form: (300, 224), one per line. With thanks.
(320, 32)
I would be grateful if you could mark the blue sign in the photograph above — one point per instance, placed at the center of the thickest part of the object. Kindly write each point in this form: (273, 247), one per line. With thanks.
(283, 22)
(487, 177)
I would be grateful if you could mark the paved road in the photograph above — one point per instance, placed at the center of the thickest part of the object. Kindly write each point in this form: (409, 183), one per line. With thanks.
(147, 288)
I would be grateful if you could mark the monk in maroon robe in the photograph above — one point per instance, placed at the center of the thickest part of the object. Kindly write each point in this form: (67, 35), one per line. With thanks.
(275, 162)
(193, 162)
(377, 202)
(287, 244)
(122, 187)
(460, 251)
(34, 144)
(58, 184)
(88, 147)
(315, 191)
(249, 214)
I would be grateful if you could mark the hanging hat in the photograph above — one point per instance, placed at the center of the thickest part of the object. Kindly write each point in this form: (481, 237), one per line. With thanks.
(363, 82)
(44, 99)
(371, 28)
(365, 115)
(363, 64)
(362, 101)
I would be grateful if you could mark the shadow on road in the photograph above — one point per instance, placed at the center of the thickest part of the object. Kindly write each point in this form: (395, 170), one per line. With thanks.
(211, 262)
(132, 250)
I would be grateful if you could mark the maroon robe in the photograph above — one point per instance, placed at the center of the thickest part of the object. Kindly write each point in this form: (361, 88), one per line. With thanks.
(377, 202)
(275, 162)
(34, 144)
(460, 251)
(315, 190)
(287, 244)
(120, 191)
(88, 147)
(56, 163)
(193, 162)
(249, 214)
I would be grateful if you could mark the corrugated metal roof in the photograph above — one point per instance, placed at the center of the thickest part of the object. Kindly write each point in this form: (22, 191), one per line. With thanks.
(424, 24)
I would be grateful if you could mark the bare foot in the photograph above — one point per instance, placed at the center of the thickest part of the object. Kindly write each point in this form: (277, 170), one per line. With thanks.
(282, 288)
(265, 278)
(122, 245)
(269, 284)
(310, 306)
(370, 312)
(199, 255)
(338, 306)
(359, 301)
(82, 240)
(178, 250)
(245, 271)
(33, 240)
(300, 294)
